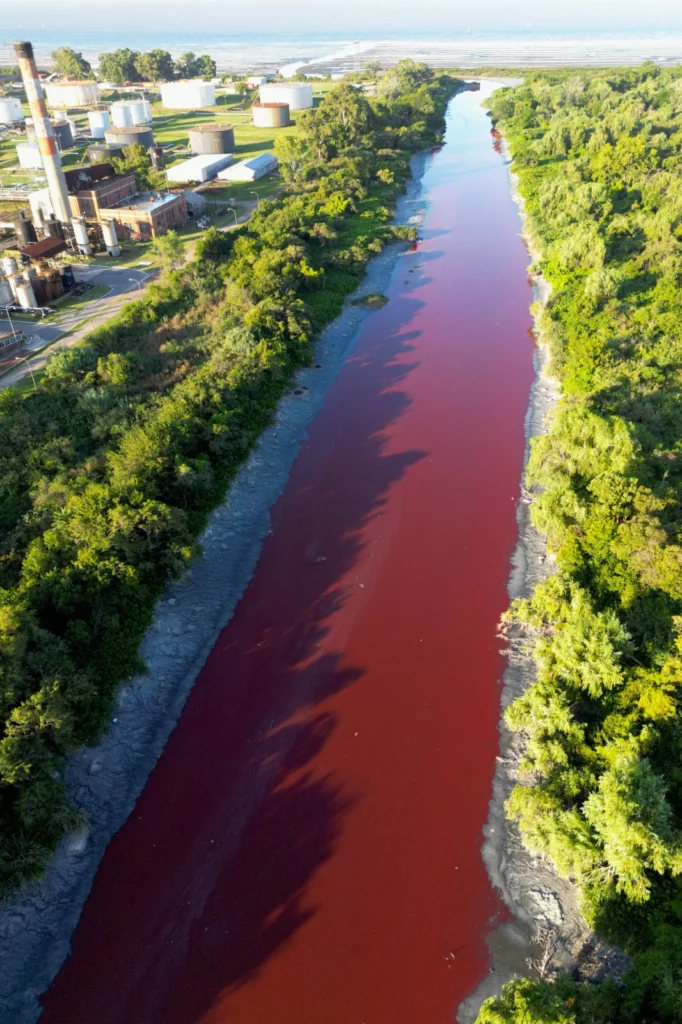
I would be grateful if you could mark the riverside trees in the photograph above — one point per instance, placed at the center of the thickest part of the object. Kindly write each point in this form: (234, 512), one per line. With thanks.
(599, 157)
(110, 467)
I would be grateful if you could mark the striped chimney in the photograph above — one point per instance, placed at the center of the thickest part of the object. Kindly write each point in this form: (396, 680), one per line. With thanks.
(45, 136)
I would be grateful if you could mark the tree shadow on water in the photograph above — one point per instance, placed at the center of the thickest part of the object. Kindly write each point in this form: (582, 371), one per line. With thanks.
(208, 878)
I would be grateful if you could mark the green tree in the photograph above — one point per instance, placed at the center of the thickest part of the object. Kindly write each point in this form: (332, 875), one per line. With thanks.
(69, 63)
(136, 160)
(206, 67)
(170, 250)
(119, 66)
(155, 66)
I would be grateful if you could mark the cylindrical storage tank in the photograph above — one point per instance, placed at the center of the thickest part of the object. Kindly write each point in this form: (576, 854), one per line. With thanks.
(10, 110)
(53, 281)
(6, 294)
(63, 133)
(138, 114)
(30, 129)
(72, 94)
(26, 233)
(121, 115)
(98, 120)
(26, 297)
(212, 138)
(110, 238)
(9, 266)
(158, 157)
(187, 95)
(148, 116)
(103, 154)
(299, 95)
(81, 234)
(270, 115)
(129, 136)
(28, 154)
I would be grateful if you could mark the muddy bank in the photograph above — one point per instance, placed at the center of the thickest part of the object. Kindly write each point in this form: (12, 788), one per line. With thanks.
(105, 781)
(540, 901)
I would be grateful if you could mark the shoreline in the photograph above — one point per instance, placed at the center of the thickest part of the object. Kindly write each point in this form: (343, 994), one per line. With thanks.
(105, 781)
(535, 895)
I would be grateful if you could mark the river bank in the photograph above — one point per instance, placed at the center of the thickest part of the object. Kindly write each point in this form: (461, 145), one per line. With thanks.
(543, 905)
(105, 781)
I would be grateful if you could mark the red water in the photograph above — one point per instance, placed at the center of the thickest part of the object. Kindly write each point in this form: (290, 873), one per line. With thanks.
(308, 849)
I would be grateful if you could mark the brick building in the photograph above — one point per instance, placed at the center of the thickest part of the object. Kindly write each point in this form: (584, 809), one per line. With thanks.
(147, 215)
(96, 188)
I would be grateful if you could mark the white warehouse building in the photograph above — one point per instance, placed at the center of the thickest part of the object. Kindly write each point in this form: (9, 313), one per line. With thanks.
(199, 168)
(188, 95)
(299, 95)
(249, 170)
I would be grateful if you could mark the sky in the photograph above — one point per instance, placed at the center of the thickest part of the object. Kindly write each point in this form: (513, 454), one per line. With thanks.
(357, 17)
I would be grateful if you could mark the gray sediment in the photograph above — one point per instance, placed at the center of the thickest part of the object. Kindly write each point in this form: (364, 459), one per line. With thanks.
(541, 903)
(105, 781)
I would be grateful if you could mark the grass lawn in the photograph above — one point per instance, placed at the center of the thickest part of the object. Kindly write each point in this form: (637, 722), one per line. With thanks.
(74, 303)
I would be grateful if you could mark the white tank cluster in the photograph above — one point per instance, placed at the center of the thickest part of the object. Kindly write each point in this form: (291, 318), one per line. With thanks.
(99, 121)
(72, 94)
(298, 95)
(188, 95)
(130, 113)
(10, 110)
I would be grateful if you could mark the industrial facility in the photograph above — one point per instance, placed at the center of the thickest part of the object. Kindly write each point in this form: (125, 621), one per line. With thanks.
(212, 138)
(271, 115)
(72, 94)
(188, 95)
(250, 170)
(199, 168)
(298, 95)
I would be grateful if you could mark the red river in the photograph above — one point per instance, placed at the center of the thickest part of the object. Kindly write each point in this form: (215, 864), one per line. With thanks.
(308, 847)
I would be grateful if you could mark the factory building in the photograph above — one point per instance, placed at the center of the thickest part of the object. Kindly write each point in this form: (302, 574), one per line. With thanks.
(148, 215)
(250, 170)
(199, 168)
(72, 94)
(96, 188)
(299, 95)
(188, 95)
(270, 115)
(212, 138)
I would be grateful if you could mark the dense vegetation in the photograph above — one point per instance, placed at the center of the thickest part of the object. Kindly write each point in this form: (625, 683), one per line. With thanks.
(599, 160)
(125, 65)
(110, 467)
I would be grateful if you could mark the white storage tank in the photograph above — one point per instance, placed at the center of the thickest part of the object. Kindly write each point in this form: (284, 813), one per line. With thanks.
(10, 110)
(99, 121)
(121, 115)
(299, 95)
(138, 112)
(9, 266)
(28, 154)
(26, 297)
(81, 235)
(110, 237)
(188, 95)
(72, 94)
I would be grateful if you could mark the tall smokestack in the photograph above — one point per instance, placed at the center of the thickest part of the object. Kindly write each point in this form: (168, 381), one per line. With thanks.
(45, 136)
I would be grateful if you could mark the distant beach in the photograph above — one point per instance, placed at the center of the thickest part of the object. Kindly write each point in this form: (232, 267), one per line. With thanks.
(334, 53)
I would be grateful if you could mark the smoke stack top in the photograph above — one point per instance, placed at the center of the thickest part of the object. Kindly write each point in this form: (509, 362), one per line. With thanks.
(23, 50)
